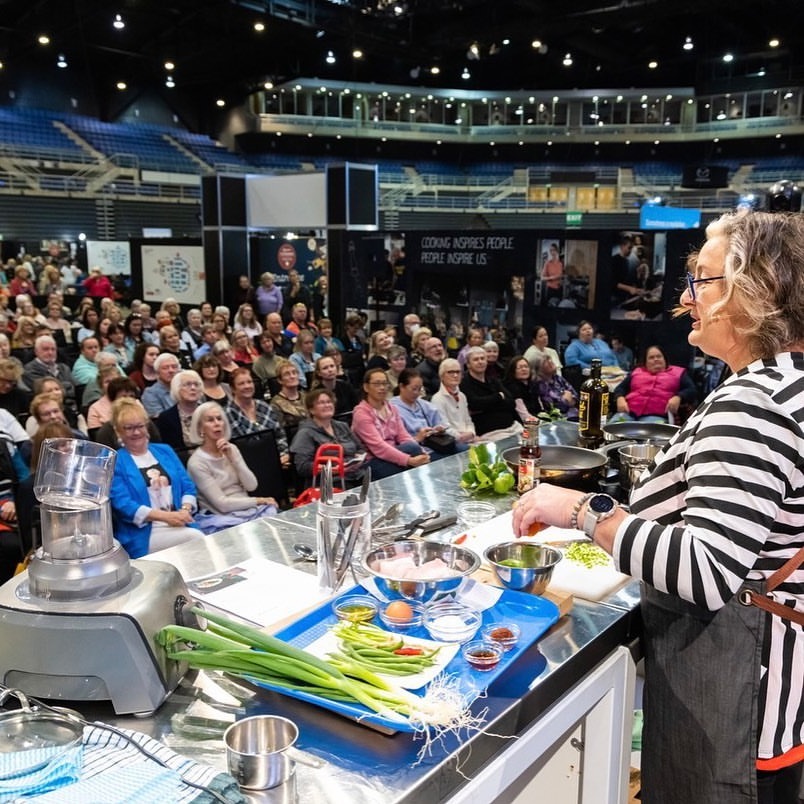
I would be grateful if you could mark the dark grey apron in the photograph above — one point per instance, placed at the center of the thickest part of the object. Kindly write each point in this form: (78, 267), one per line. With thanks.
(702, 678)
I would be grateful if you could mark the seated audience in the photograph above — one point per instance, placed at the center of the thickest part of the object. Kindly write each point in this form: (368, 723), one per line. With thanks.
(325, 337)
(421, 418)
(249, 415)
(246, 321)
(494, 370)
(243, 351)
(379, 344)
(539, 348)
(654, 390)
(223, 352)
(156, 397)
(174, 423)
(152, 496)
(221, 476)
(107, 365)
(554, 391)
(397, 362)
(170, 343)
(46, 364)
(288, 402)
(85, 369)
(208, 368)
(451, 402)
(520, 385)
(191, 335)
(50, 385)
(143, 372)
(100, 412)
(322, 428)
(491, 407)
(13, 397)
(264, 367)
(428, 368)
(378, 425)
(117, 346)
(326, 376)
(304, 357)
(586, 347)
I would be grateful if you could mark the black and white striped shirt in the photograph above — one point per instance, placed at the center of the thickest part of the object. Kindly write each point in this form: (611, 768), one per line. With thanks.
(726, 503)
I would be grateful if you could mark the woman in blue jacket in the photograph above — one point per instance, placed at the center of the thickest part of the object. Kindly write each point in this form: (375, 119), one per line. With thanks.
(153, 498)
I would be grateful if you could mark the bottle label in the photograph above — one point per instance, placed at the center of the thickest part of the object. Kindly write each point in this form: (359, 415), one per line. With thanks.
(528, 474)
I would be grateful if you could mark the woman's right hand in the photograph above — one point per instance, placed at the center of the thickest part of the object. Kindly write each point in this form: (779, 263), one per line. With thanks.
(418, 460)
(176, 519)
(622, 405)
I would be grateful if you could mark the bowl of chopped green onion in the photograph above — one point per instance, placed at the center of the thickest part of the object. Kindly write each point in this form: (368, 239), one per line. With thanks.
(523, 566)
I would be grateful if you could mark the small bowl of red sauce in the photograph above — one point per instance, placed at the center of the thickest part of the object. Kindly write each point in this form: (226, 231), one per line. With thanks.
(506, 634)
(482, 655)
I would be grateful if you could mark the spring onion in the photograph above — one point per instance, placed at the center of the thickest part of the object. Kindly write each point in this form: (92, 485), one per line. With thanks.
(241, 650)
(589, 555)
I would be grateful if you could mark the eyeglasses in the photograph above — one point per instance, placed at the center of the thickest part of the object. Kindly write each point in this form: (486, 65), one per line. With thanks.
(378, 384)
(191, 384)
(692, 282)
(134, 428)
(452, 371)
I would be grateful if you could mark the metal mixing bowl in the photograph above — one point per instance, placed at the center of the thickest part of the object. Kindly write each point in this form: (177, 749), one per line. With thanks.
(461, 562)
(534, 565)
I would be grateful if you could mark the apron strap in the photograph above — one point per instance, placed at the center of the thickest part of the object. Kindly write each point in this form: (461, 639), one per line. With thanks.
(748, 597)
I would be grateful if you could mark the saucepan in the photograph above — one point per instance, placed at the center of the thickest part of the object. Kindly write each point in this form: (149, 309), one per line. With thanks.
(563, 465)
(642, 432)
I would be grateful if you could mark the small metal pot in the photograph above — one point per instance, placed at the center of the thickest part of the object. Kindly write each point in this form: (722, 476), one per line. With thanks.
(634, 459)
(259, 751)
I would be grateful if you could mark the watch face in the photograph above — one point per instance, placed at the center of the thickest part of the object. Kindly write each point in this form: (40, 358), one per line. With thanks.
(602, 503)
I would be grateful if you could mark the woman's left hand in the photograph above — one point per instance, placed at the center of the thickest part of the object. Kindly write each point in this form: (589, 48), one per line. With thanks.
(548, 504)
(222, 445)
(673, 404)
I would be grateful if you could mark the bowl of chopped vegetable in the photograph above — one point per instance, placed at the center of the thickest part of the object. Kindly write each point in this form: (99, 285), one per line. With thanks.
(523, 566)
(419, 570)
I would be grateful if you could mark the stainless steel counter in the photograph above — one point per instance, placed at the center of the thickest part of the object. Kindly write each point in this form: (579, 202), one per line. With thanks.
(361, 765)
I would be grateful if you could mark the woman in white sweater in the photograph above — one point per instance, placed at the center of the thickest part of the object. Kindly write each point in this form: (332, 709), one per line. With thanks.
(221, 476)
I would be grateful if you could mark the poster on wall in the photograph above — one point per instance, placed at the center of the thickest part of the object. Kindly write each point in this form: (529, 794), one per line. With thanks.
(113, 256)
(637, 277)
(173, 272)
(566, 274)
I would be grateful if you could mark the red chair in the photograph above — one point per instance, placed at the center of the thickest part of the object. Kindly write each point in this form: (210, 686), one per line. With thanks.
(326, 454)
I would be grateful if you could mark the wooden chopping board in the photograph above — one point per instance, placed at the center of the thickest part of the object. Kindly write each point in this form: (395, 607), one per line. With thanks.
(569, 577)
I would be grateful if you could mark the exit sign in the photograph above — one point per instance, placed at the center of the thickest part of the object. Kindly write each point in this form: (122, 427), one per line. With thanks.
(574, 218)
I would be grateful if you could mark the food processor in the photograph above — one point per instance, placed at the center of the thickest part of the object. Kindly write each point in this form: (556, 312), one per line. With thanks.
(80, 623)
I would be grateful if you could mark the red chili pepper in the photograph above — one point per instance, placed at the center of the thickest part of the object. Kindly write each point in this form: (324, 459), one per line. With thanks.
(409, 652)
(460, 539)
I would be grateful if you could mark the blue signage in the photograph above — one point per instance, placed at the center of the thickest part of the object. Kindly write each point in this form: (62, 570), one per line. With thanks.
(669, 218)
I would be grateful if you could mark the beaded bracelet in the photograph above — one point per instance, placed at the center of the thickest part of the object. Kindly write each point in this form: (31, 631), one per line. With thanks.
(577, 509)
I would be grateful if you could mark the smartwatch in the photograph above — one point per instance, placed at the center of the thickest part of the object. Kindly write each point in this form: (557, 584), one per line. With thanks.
(600, 507)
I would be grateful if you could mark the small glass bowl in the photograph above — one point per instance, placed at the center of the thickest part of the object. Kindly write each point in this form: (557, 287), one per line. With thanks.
(355, 609)
(451, 621)
(482, 655)
(471, 514)
(506, 634)
(398, 623)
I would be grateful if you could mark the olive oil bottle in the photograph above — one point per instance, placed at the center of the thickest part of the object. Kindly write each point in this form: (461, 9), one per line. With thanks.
(593, 409)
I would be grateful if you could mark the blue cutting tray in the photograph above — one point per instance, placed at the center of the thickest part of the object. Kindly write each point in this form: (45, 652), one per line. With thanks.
(534, 615)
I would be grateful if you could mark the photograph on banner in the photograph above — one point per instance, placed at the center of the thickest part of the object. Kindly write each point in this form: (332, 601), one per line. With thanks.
(566, 274)
(637, 276)
(112, 256)
(173, 271)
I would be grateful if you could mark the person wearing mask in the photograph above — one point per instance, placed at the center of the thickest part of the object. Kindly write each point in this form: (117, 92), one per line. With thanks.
(491, 407)
(451, 402)
(221, 476)
(153, 498)
(715, 534)
(410, 323)
(389, 447)
(156, 397)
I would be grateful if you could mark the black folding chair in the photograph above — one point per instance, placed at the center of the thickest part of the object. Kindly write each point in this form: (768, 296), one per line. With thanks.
(261, 455)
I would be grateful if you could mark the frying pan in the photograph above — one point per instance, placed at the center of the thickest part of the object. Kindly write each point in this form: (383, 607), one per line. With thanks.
(562, 465)
(639, 431)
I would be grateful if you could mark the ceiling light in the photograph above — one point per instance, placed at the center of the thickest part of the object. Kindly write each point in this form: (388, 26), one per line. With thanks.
(536, 44)
(220, 102)
(567, 62)
(435, 70)
(121, 85)
(169, 82)
(259, 26)
(330, 57)
(169, 65)
(474, 52)
(43, 39)
(399, 10)
(728, 57)
(61, 62)
(773, 42)
(688, 43)
(357, 53)
(268, 85)
(652, 65)
(466, 75)
(118, 23)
